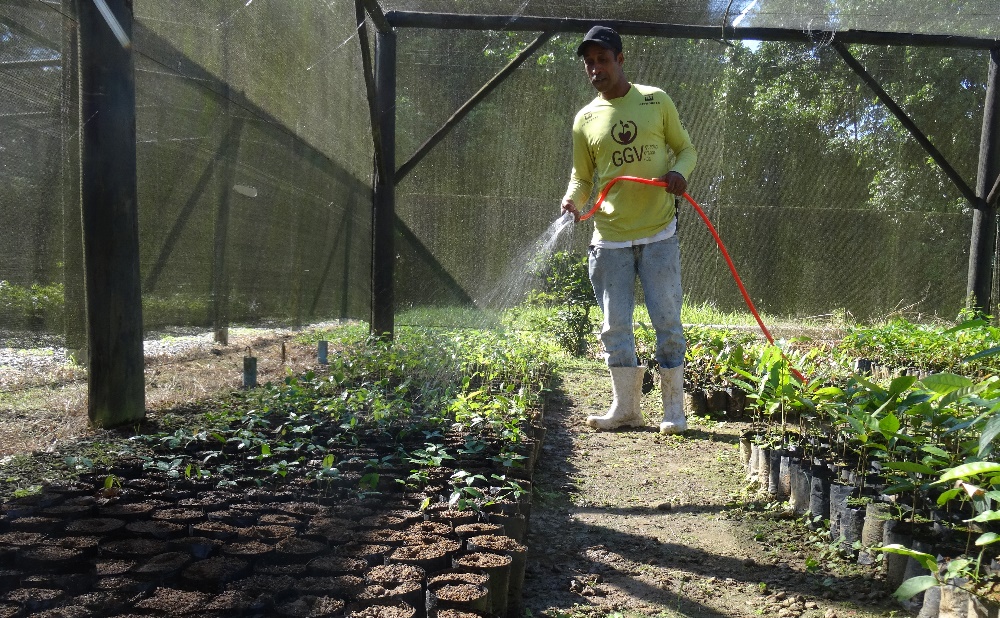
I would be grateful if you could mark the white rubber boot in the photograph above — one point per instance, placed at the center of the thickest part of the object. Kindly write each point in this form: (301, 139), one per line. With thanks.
(626, 383)
(672, 385)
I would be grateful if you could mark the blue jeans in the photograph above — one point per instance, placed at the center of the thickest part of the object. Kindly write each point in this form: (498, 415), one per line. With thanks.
(613, 273)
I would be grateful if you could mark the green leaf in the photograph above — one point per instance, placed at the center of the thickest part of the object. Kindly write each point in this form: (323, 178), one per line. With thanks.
(832, 391)
(936, 451)
(986, 516)
(970, 470)
(990, 431)
(909, 466)
(987, 538)
(974, 323)
(956, 566)
(957, 395)
(889, 425)
(948, 495)
(857, 425)
(943, 383)
(915, 585)
(899, 488)
(928, 561)
(985, 353)
(900, 384)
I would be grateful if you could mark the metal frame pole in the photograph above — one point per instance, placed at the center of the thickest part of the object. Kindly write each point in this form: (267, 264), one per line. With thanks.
(982, 249)
(384, 206)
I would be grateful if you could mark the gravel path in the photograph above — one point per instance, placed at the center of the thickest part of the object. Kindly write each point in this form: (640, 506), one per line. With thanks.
(23, 365)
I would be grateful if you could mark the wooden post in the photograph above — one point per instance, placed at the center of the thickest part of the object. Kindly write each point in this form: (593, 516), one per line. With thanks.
(74, 295)
(226, 160)
(384, 207)
(110, 218)
(982, 248)
(220, 278)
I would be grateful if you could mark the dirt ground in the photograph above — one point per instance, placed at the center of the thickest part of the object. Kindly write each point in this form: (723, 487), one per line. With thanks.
(623, 524)
(634, 524)
(43, 396)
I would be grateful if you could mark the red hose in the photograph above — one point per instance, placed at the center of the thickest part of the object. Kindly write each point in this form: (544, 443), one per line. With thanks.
(718, 241)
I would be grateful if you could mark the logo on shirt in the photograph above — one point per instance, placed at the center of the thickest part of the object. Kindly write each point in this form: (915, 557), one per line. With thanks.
(649, 98)
(624, 132)
(633, 154)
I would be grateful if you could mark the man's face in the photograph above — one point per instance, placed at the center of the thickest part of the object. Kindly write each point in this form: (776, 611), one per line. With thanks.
(604, 67)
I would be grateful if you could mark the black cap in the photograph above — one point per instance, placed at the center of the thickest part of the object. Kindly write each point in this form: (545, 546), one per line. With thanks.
(604, 36)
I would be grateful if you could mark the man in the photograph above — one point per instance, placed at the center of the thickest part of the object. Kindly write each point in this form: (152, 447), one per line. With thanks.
(626, 131)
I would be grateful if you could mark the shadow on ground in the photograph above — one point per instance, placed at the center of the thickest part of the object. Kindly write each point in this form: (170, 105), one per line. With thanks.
(697, 557)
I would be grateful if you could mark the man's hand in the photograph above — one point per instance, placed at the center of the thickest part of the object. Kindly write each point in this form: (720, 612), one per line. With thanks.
(569, 206)
(675, 182)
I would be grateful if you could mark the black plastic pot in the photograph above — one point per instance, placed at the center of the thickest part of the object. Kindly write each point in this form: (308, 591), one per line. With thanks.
(458, 589)
(841, 522)
(513, 526)
(498, 567)
(518, 554)
(774, 473)
(872, 530)
(746, 449)
(819, 495)
(764, 467)
(799, 486)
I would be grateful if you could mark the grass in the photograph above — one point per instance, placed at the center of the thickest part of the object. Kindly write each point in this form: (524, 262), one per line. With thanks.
(708, 313)
(450, 317)
(527, 318)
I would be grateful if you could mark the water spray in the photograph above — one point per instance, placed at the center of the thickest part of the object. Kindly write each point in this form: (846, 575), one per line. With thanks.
(718, 241)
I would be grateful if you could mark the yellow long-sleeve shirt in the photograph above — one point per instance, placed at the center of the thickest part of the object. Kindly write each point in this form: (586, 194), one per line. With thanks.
(629, 136)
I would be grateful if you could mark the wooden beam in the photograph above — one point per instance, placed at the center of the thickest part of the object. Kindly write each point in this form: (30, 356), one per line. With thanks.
(384, 207)
(468, 106)
(910, 126)
(982, 246)
(377, 16)
(74, 278)
(523, 23)
(116, 385)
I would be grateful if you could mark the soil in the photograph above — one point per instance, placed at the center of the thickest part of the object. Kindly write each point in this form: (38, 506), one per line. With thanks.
(395, 610)
(43, 394)
(482, 560)
(390, 574)
(312, 606)
(460, 592)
